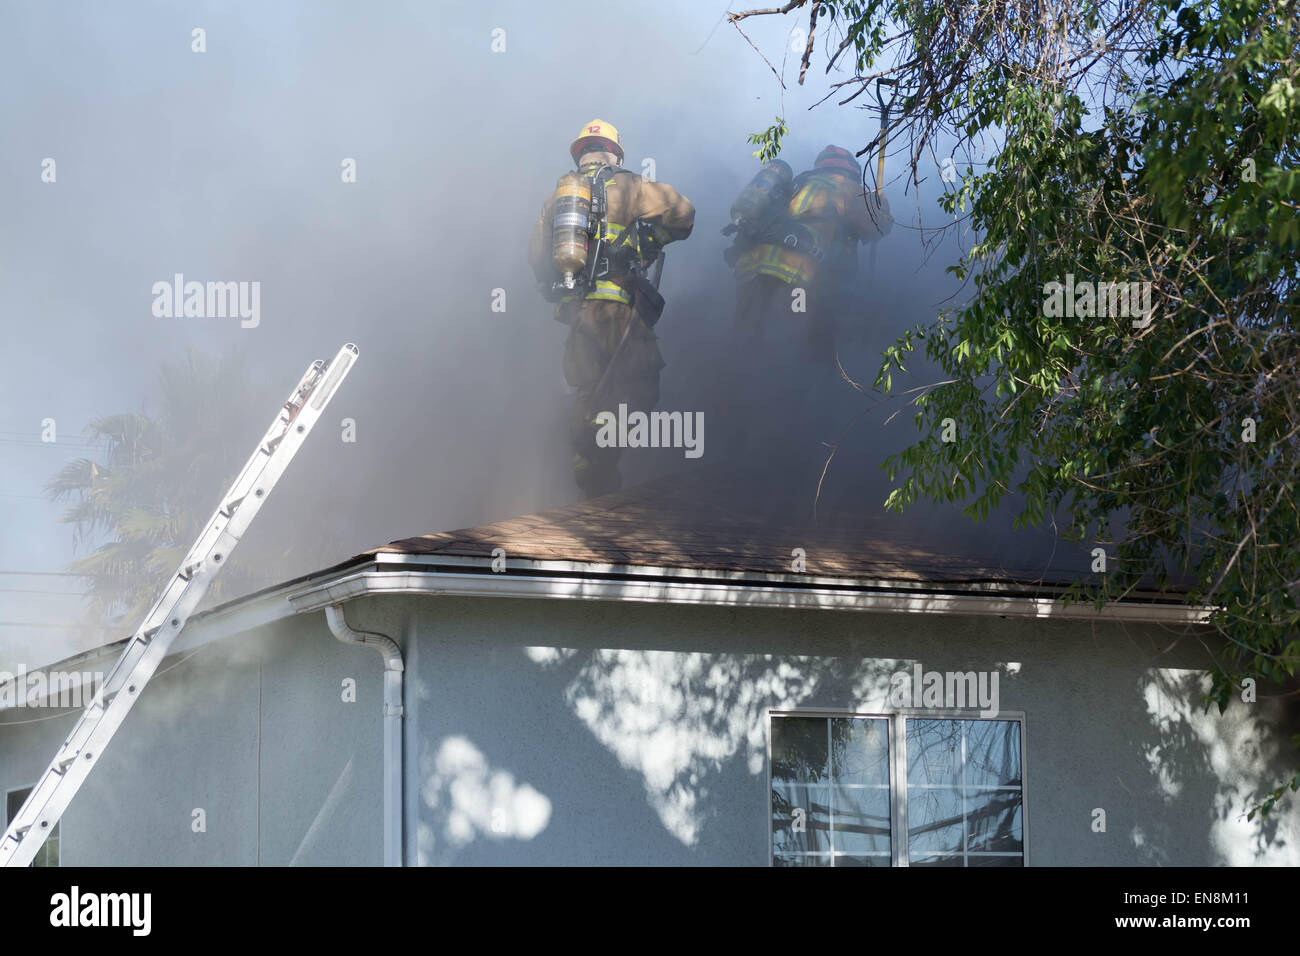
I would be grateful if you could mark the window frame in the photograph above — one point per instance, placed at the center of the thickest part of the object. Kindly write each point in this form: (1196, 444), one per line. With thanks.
(897, 720)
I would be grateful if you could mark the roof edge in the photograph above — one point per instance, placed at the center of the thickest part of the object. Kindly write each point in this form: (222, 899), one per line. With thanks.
(688, 587)
(568, 568)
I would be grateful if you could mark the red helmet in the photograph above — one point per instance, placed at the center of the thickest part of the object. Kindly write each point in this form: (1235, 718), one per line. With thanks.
(837, 157)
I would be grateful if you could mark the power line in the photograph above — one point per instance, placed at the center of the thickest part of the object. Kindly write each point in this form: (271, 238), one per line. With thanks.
(73, 440)
(57, 627)
(25, 433)
(48, 574)
(33, 591)
(81, 451)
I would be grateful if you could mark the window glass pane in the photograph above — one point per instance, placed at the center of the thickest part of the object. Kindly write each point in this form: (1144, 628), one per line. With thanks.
(934, 753)
(813, 833)
(13, 803)
(993, 820)
(862, 860)
(799, 750)
(992, 753)
(861, 818)
(835, 769)
(860, 751)
(963, 796)
(995, 861)
(934, 821)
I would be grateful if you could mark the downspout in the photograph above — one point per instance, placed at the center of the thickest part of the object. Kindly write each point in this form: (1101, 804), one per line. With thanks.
(393, 669)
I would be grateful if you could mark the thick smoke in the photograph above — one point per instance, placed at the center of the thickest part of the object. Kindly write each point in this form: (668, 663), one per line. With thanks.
(226, 166)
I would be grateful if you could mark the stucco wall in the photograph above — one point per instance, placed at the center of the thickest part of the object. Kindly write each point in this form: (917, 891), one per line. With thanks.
(637, 733)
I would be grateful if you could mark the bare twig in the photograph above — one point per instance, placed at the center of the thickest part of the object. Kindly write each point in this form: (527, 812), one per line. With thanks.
(760, 53)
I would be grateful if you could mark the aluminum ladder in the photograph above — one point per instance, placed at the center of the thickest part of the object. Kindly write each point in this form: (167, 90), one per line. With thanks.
(145, 650)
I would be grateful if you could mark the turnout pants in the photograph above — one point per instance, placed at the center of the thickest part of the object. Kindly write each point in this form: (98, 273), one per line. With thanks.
(781, 388)
(765, 311)
(596, 329)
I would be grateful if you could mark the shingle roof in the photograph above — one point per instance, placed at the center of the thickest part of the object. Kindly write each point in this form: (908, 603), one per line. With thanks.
(713, 520)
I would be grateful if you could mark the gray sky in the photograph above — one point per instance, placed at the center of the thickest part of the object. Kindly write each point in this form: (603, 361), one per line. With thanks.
(225, 165)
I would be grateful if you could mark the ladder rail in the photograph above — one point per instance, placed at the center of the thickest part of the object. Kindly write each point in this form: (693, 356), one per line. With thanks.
(148, 646)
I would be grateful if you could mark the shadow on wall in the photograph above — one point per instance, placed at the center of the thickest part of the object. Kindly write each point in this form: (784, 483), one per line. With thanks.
(1214, 766)
(640, 755)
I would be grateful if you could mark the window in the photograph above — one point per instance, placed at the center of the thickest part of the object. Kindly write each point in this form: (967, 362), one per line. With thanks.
(48, 855)
(830, 791)
(902, 789)
(964, 798)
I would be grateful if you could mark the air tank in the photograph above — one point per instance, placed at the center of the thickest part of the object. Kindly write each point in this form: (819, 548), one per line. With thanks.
(772, 180)
(570, 228)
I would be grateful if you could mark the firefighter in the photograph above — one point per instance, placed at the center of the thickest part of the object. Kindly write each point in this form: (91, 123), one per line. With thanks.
(794, 260)
(612, 355)
(794, 257)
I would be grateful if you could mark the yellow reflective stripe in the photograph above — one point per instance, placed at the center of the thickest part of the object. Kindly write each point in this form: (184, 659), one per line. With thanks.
(785, 274)
(802, 200)
(771, 261)
(609, 292)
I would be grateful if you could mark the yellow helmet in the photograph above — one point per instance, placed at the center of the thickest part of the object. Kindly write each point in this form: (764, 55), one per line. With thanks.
(597, 132)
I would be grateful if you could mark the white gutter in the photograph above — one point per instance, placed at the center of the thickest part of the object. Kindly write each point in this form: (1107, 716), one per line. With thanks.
(998, 585)
(393, 669)
(731, 594)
